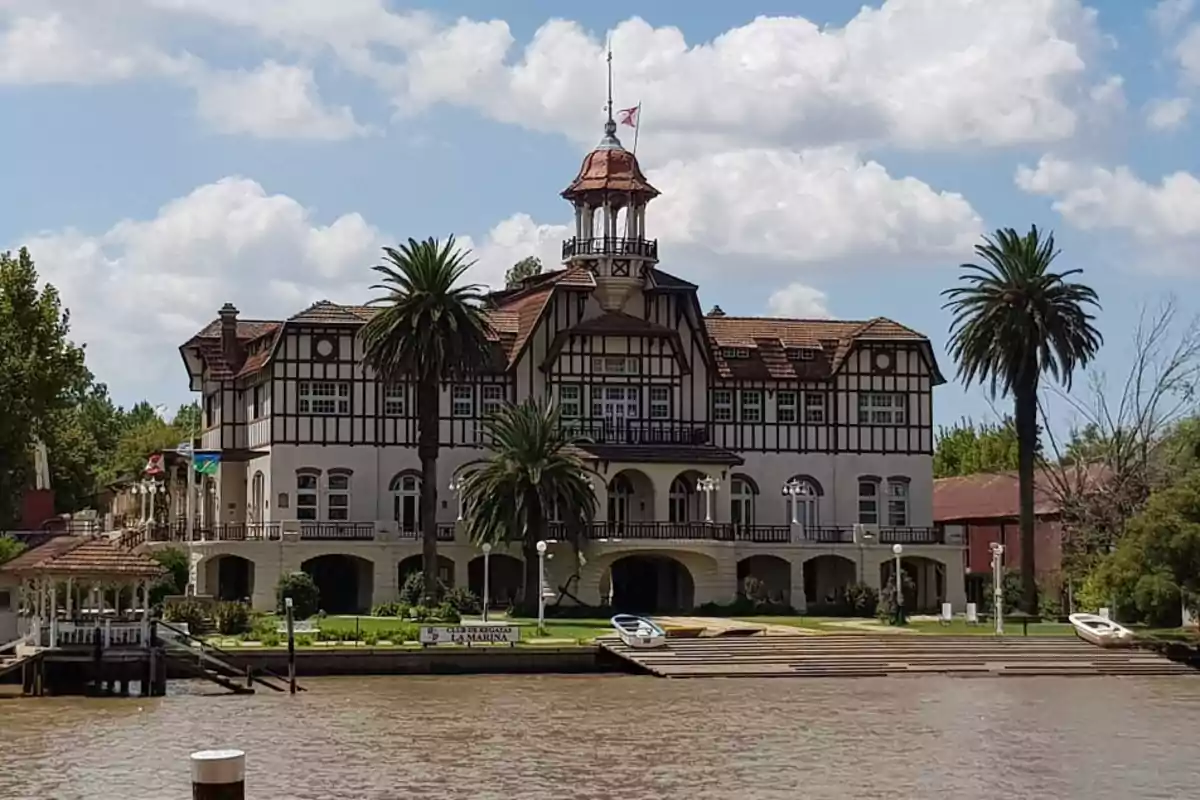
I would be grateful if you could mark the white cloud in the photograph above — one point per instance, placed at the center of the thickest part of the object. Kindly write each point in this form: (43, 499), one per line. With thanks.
(510, 241)
(1163, 219)
(1187, 52)
(143, 287)
(1167, 114)
(799, 302)
(1168, 14)
(275, 101)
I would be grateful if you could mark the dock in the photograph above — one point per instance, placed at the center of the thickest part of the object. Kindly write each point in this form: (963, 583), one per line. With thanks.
(871, 656)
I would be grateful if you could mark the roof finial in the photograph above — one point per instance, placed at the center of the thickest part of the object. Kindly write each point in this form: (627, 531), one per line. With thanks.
(610, 126)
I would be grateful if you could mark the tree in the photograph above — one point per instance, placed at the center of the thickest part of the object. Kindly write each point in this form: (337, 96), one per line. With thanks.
(1014, 321)
(533, 470)
(187, 420)
(525, 268)
(10, 548)
(41, 372)
(431, 330)
(967, 448)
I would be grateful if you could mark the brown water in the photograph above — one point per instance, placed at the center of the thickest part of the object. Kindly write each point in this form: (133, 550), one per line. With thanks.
(625, 738)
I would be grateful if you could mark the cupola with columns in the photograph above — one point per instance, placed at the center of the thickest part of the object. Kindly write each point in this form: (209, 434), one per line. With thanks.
(610, 194)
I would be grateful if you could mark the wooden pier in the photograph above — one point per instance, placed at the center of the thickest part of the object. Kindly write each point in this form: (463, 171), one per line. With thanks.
(866, 655)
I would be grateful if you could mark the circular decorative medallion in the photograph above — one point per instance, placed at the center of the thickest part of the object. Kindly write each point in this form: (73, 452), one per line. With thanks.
(324, 347)
(883, 361)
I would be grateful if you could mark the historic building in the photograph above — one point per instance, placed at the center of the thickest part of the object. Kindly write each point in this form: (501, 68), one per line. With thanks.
(795, 451)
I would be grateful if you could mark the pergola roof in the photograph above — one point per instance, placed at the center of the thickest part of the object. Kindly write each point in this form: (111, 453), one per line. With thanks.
(88, 556)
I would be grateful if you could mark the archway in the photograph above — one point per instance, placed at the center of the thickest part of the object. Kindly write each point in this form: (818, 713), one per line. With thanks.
(826, 578)
(686, 503)
(630, 498)
(230, 577)
(772, 572)
(743, 496)
(507, 576)
(651, 584)
(345, 583)
(924, 582)
(405, 491)
(801, 501)
(416, 563)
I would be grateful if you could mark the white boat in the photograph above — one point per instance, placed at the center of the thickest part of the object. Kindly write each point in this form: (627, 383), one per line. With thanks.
(1101, 631)
(639, 632)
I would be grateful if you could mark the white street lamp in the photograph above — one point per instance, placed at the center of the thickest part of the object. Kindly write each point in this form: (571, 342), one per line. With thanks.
(456, 487)
(897, 550)
(541, 551)
(487, 552)
(707, 485)
(998, 585)
(792, 490)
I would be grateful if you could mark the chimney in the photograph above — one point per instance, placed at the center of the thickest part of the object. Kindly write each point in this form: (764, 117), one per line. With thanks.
(716, 312)
(230, 346)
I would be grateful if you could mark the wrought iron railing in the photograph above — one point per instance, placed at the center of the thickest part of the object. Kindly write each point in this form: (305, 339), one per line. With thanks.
(337, 531)
(445, 532)
(610, 246)
(640, 432)
(912, 536)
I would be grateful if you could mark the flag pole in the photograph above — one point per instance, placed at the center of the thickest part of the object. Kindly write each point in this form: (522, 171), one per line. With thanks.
(637, 117)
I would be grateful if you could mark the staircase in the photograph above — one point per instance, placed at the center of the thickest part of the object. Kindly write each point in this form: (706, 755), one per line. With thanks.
(863, 656)
(214, 664)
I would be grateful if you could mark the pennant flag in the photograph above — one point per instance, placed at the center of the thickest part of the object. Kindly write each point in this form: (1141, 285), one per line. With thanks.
(206, 463)
(629, 116)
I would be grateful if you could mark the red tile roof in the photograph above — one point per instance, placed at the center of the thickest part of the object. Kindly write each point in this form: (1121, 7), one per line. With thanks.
(85, 556)
(993, 495)
(610, 169)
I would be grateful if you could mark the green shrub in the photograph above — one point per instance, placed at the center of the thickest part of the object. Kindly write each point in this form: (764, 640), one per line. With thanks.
(306, 598)
(370, 638)
(232, 618)
(192, 613)
(324, 635)
(392, 609)
(271, 639)
(463, 600)
(175, 581)
(420, 613)
(886, 611)
(304, 640)
(860, 600)
(400, 634)
(447, 613)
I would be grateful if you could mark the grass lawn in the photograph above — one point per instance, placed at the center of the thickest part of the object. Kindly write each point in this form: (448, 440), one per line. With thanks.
(575, 630)
(958, 627)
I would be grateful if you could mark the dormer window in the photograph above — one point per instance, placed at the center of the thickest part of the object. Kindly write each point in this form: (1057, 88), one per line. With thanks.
(801, 354)
(735, 352)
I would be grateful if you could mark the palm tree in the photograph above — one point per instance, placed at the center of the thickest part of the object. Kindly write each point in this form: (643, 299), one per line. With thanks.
(532, 470)
(1015, 320)
(431, 330)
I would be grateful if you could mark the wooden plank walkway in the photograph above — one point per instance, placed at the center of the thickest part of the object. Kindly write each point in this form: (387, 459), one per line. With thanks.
(863, 655)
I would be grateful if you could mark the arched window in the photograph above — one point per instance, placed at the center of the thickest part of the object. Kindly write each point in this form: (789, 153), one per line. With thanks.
(681, 500)
(337, 495)
(620, 491)
(258, 498)
(405, 489)
(741, 500)
(801, 495)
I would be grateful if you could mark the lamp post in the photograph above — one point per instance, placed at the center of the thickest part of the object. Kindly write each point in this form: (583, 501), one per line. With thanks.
(487, 552)
(707, 485)
(897, 551)
(998, 585)
(456, 487)
(541, 551)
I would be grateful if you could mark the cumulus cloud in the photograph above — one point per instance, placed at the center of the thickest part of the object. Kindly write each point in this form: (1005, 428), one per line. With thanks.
(1168, 14)
(799, 302)
(1163, 219)
(143, 287)
(275, 101)
(1167, 114)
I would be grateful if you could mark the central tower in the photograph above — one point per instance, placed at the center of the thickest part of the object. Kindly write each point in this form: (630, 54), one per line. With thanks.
(610, 195)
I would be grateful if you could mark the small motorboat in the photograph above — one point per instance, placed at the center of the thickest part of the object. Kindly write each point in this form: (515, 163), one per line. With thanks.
(1101, 631)
(639, 632)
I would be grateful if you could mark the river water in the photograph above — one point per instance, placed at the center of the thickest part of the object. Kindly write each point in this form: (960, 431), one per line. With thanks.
(624, 738)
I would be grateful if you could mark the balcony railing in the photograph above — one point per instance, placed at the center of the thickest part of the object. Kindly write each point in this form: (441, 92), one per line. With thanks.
(610, 246)
(635, 431)
(337, 531)
(911, 536)
(445, 532)
(727, 532)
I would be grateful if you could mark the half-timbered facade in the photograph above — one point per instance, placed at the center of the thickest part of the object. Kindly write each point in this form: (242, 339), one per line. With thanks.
(720, 440)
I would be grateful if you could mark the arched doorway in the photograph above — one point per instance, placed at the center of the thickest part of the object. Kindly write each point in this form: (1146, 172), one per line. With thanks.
(346, 583)
(743, 492)
(686, 503)
(826, 578)
(405, 489)
(630, 499)
(772, 573)
(416, 563)
(258, 498)
(801, 499)
(504, 583)
(924, 582)
(651, 584)
(230, 577)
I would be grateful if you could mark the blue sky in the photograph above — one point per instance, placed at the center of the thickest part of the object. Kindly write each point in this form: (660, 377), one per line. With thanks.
(165, 156)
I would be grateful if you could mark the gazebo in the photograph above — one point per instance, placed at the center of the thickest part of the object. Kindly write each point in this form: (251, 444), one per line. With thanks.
(63, 587)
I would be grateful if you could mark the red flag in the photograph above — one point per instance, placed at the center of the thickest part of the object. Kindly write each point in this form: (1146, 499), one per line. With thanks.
(629, 116)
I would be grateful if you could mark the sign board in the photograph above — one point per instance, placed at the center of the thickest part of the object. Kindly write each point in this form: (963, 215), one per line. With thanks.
(470, 634)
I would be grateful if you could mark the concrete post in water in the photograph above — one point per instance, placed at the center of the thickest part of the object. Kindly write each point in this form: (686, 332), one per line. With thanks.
(219, 775)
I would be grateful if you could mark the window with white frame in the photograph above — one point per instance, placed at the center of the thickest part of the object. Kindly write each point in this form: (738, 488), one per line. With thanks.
(785, 406)
(307, 495)
(493, 398)
(897, 503)
(735, 352)
(882, 408)
(461, 400)
(395, 399)
(337, 497)
(570, 401)
(722, 400)
(814, 408)
(323, 397)
(801, 502)
(660, 402)
(751, 405)
(615, 365)
(741, 501)
(868, 502)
